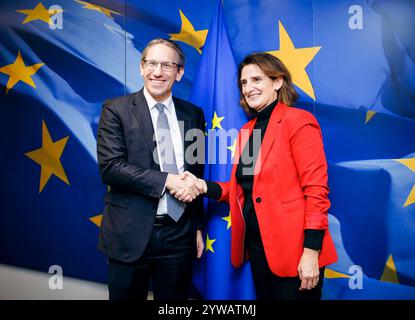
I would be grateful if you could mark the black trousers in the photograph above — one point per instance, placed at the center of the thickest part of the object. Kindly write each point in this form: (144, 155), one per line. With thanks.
(167, 262)
(269, 286)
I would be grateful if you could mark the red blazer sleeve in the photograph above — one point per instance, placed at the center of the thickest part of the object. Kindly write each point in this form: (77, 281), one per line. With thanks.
(225, 191)
(308, 153)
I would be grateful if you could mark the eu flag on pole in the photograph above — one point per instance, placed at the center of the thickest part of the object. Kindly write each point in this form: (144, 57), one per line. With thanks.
(215, 90)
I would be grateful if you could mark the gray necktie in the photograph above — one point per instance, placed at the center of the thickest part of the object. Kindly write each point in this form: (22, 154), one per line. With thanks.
(175, 208)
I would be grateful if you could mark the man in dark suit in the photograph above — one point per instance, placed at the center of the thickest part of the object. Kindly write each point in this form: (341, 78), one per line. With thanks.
(146, 233)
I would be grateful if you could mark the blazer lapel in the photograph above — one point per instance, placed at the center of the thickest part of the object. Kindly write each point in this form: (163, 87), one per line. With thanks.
(241, 141)
(269, 137)
(244, 135)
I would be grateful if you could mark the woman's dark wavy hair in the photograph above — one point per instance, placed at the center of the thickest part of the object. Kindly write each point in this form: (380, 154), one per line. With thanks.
(272, 67)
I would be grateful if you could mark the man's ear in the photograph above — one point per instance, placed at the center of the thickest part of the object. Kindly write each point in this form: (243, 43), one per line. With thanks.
(179, 74)
(278, 83)
(141, 68)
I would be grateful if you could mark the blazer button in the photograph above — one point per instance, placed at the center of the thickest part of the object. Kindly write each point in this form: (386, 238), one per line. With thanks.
(258, 200)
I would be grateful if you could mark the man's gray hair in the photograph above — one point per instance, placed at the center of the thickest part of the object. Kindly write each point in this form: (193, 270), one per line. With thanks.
(168, 43)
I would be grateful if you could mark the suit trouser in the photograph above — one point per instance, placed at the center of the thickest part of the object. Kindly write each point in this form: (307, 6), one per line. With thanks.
(269, 286)
(167, 261)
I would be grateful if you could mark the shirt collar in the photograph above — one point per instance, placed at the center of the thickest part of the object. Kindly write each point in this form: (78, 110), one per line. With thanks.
(151, 102)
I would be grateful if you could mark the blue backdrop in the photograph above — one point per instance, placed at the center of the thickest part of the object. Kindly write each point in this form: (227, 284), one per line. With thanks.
(353, 64)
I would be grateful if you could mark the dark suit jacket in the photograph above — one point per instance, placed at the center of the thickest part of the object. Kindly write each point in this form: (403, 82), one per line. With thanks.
(125, 148)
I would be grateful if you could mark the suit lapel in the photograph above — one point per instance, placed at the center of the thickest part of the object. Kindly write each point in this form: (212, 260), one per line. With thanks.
(142, 114)
(184, 120)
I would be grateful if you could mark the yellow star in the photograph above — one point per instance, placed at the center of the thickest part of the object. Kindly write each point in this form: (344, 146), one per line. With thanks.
(96, 220)
(232, 148)
(17, 71)
(331, 274)
(189, 35)
(228, 220)
(409, 163)
(91, 6)
(209, 243)
(38, 13)
(296, 60)
(48, 157)
(216, 121)
(369, 115)
(389, 273)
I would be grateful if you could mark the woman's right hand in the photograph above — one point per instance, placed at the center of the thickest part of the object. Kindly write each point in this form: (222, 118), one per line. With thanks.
(202, 186)
(199, 183)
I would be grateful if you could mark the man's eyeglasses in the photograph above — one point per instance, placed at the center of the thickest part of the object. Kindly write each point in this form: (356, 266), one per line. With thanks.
(165, 65)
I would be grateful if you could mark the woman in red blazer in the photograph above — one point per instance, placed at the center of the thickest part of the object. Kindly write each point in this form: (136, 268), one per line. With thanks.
(278, 187)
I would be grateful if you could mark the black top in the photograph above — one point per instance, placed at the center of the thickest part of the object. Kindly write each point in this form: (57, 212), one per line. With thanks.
(245, 177)
(245, 171)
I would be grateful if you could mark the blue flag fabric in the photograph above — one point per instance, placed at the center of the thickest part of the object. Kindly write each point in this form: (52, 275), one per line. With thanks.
(216, 92)
(352, 64)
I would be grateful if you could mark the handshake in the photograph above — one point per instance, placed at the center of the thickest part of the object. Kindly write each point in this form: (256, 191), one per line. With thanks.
(185, 186)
